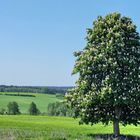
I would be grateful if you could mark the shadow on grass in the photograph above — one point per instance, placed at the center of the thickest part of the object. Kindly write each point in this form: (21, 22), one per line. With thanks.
(111, 137)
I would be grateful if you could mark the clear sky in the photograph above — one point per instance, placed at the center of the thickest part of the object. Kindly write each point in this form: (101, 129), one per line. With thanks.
(38, 37)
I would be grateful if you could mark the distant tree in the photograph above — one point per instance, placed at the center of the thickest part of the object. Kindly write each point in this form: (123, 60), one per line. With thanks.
(33, 110)
(108, 88)
(13, 108)
(2, 111)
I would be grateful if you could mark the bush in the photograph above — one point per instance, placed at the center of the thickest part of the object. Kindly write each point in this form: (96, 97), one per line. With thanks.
(13, 108)
(59, 109)
(33, 110)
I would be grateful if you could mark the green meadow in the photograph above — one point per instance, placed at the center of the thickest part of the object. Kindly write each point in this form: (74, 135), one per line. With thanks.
(26, 127)
(41, 100)
(53, 128)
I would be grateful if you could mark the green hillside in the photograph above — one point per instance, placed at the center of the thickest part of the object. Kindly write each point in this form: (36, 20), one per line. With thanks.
(53, 128)
(41, 100)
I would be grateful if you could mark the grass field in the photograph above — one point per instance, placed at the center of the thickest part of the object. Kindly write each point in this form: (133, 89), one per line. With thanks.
(26, 127)
(41, 100)
(53, 128)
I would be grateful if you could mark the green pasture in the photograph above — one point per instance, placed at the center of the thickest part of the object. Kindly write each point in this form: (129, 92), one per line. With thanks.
(54, 128)
(26, 127)
(41, 100)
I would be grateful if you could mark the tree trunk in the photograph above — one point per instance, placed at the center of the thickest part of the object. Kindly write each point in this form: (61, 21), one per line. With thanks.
(116, 128)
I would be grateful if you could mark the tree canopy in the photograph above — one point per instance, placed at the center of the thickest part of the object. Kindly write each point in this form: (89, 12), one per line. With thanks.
(108, 88)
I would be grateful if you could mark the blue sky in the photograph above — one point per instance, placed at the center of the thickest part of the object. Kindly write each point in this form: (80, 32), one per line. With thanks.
(38, 37)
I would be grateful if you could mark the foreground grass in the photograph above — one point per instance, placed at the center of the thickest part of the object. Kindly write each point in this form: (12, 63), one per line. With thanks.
(53, 128)
(41, 100)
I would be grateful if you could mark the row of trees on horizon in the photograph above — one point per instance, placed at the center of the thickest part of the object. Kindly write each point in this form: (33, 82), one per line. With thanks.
(34, 89)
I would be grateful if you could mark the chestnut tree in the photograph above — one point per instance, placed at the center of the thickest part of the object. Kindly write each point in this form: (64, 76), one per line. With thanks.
(108, 88)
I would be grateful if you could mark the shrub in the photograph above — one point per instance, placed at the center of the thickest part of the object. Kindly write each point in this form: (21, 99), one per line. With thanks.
(2, 111)
(59, 109)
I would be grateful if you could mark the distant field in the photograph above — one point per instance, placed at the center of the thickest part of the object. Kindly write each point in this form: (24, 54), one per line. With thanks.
(53, 128)
(41, 100)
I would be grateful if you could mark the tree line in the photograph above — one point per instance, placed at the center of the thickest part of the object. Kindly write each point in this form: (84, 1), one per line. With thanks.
(53, 109)
(34, 89)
